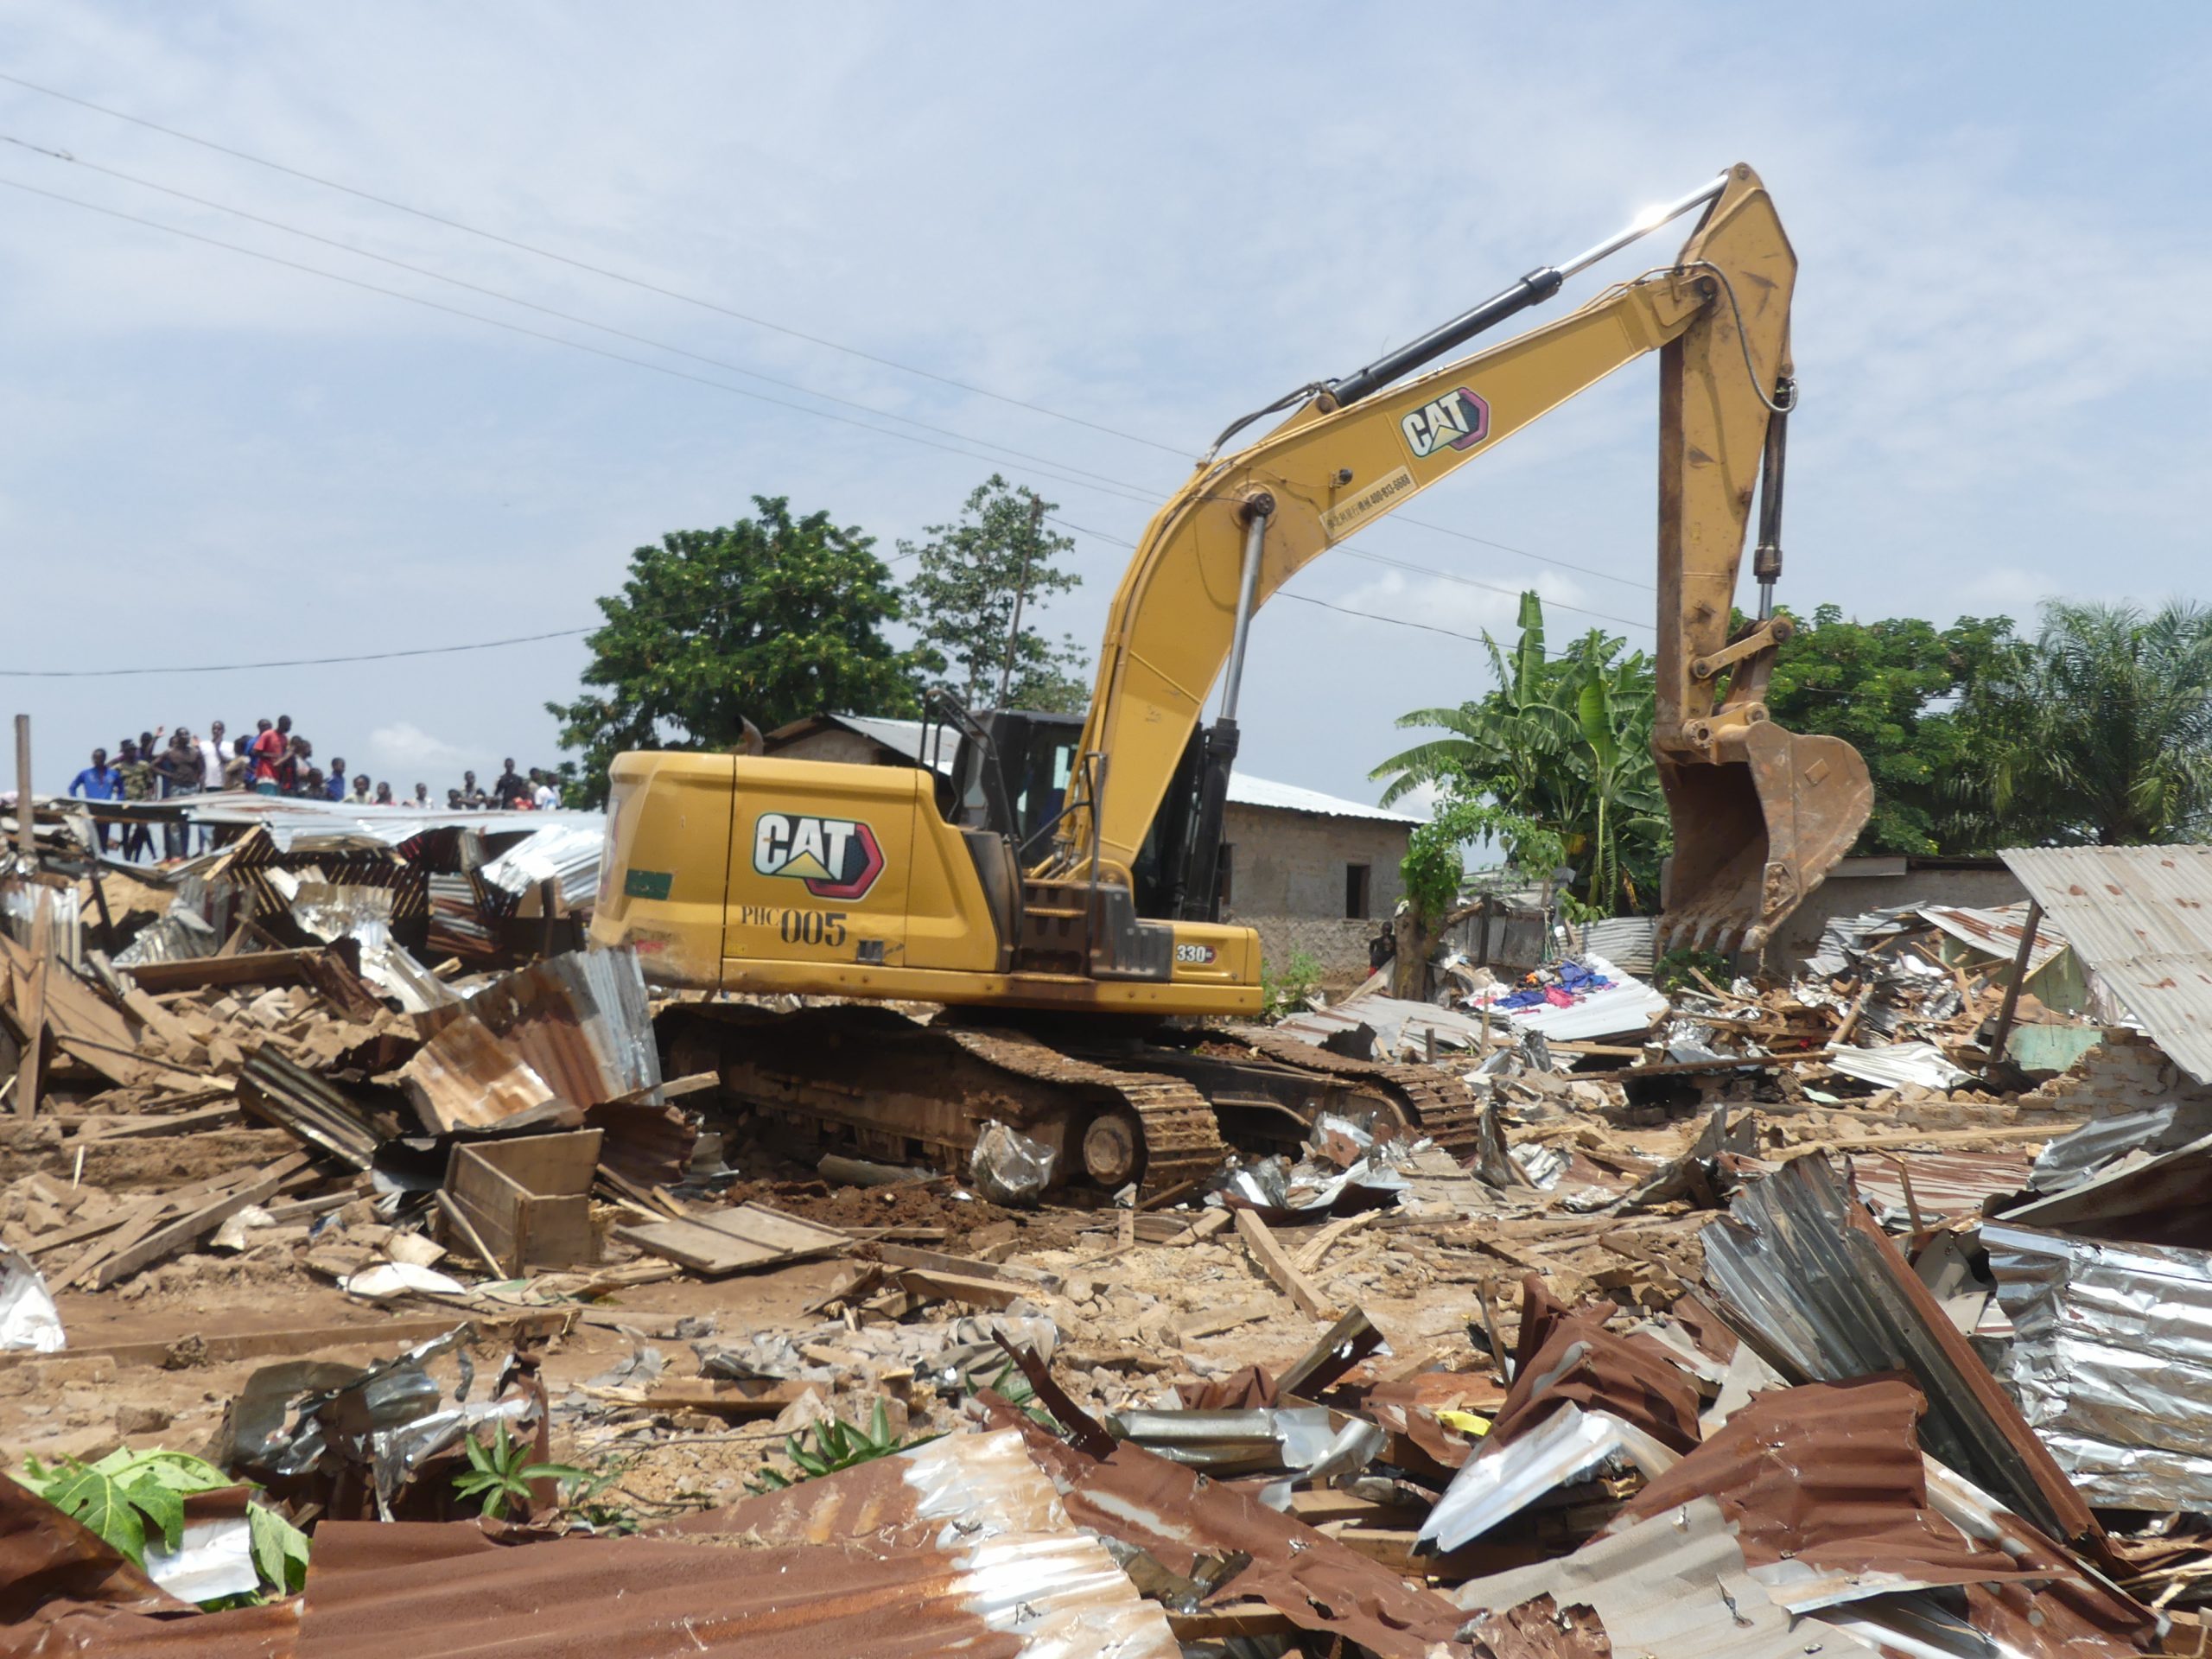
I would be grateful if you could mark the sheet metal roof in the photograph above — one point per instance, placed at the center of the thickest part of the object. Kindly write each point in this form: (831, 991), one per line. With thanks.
(2142, 917)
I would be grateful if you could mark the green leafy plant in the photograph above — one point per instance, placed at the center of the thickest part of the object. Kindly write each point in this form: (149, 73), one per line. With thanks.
(1677, 970)
(836, 1444)
(132, 1499)
(1286, 992)
(1014, 1387)
(501, 1473)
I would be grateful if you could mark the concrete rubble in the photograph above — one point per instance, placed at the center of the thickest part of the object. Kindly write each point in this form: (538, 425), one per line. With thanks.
(1812, 1313)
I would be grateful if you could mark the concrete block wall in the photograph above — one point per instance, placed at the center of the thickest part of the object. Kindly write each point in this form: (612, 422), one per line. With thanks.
(1341, 946)
(2126, 1072)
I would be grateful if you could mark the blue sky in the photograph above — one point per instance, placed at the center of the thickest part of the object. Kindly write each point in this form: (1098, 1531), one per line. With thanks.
(1149, 218)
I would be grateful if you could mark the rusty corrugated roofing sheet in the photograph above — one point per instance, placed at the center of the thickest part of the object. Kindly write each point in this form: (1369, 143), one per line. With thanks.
(1832, 1299)
(2142, 917)
(959, 1545)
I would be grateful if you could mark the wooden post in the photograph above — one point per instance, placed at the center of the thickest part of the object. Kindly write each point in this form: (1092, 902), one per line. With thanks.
(23, 813)
(31, 1072)
(2019, 974)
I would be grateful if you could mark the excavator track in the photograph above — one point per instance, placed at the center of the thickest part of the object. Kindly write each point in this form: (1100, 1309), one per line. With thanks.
(1182, 1143)
(1439, 1104)
(898, 1088)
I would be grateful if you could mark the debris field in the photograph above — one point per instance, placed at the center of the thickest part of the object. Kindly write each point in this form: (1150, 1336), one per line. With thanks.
(1859, 1307)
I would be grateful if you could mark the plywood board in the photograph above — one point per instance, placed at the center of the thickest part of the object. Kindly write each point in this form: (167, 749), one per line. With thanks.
(736, 1240)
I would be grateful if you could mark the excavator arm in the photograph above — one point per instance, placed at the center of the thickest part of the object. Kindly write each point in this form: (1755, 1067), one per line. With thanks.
(1759, 817)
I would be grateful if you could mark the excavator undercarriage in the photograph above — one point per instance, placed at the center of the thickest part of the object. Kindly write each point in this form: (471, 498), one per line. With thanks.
(1161, 1109)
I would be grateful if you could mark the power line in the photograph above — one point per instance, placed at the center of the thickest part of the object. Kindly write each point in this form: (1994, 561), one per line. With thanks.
(295, 662)
(690, 299)
(1131, 493)
(584, 265)
(1402, 564)
(551, 311)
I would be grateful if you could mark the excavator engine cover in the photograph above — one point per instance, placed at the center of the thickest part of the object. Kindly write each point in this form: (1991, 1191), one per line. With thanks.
(1756, 832)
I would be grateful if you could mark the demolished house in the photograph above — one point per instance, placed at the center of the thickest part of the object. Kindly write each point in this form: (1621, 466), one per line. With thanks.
(371, 1280)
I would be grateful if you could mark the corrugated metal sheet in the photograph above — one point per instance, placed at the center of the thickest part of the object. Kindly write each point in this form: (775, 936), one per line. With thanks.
(959, 1546)
(582, 1020)
(1834, 1300)
(566, 852)
(1400, 1027)
(1945, 1186)
(1899, 1065)
(1627, 940)
(1672, 1587)
(1997, 932)
(2142, 917)
(2112, 1361)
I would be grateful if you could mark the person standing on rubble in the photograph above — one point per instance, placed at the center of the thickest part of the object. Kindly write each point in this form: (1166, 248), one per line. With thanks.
(361, 796)
(177, 771)
(334, 788)
(384, 795)
(137, 786)
(97, 782)
(510, 790)
(421, 794)
(544, 796)
(471, 796)
(268, 749)
(238, 765)
(214, 774)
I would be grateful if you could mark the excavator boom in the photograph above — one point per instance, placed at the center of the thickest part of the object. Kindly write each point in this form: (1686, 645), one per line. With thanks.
(1759, 817)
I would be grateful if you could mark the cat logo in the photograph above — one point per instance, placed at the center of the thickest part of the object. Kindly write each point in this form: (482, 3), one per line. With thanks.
(1458, 419)
(836, 858)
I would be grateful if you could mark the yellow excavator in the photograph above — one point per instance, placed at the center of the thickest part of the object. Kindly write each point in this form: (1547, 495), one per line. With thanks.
(1057, 894)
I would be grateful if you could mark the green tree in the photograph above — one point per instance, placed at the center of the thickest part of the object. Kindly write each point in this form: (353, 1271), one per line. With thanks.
(2099, 732)
(768, 619)
(1892, 689)
(966, 577)
(1559, 755)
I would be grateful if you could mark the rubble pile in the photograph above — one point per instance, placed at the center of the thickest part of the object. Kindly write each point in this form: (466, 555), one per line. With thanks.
(401, 1302)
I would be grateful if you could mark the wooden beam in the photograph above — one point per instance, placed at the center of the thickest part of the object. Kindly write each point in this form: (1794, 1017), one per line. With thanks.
(1275, 1262)
(31, 1072)
(200, 1222)
(389, 1335)
(959, 1288)
(248, 967)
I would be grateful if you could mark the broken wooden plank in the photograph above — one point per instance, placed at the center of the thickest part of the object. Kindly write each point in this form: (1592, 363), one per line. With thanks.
(1325, 1241)
(389, 1335)
(731, 1241)
(1224, 1319)
(127, 1127)
(244, 968)
(1205, 1227)
(719, 1399)
(1267, 1251)
(906, 1256)
(30, 1069)
(177, 1234)
(959, 1288)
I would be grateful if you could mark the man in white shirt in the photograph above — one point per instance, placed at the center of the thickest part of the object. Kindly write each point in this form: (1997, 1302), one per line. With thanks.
(211, 773)
(544, 797)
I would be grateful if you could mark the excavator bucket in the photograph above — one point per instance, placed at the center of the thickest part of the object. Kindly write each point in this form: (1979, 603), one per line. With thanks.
(1755, 832)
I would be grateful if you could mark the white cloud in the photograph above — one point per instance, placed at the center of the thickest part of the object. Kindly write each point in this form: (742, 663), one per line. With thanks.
(406, 747)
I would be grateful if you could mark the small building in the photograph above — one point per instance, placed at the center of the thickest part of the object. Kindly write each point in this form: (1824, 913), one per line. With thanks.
(1315, 875)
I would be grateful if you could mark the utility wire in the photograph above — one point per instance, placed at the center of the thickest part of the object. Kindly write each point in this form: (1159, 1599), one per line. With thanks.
(539, 334)
(710, 305)
(1402, 564)
(295, 662)
(550, 311)
(583, 265)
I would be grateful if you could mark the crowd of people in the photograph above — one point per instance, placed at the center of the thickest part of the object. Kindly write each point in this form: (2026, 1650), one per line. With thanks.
(161, 765)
